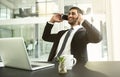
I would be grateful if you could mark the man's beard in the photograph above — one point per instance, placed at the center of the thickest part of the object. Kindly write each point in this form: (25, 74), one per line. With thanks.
(73, 22)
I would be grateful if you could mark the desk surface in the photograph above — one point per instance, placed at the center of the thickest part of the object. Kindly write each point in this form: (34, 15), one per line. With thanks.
(90, 69)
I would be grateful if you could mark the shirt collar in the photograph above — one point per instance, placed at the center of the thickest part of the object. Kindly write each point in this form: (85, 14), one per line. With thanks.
(77, 27)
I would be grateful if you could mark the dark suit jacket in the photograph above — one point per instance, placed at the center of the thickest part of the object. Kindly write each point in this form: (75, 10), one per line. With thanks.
(85, 35)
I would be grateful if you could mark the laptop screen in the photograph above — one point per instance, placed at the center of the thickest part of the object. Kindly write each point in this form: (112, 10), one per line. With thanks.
(14, 53)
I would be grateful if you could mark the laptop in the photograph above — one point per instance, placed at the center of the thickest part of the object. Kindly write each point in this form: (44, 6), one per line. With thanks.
(14, 54)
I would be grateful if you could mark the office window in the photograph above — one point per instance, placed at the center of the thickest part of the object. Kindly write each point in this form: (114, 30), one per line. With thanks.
(5, 12)
(31, 30)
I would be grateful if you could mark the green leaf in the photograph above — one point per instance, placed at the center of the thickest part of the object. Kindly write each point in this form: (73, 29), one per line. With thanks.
(61, 59)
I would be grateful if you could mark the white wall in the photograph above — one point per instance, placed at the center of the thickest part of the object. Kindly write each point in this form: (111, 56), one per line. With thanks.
(115, 14)
(112, 11)
(8, 4)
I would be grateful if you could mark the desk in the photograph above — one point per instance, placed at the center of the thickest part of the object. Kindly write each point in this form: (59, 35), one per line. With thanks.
(90, 69)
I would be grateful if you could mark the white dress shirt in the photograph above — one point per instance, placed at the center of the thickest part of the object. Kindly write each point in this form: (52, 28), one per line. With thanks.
(68, 43)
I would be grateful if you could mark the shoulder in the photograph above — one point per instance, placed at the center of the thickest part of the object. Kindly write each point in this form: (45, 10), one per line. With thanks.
(62, 32)
(81, 30)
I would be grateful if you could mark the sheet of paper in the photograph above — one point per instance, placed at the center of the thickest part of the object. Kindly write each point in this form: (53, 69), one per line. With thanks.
(1, 64)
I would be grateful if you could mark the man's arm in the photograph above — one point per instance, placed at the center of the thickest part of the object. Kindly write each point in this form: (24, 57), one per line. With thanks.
(47, 36)
(93, 34)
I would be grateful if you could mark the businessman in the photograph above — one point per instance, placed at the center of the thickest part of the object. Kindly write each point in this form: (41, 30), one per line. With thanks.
(82, 33)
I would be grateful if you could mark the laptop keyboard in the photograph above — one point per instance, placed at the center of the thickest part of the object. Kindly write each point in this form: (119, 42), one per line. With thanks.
(35, 65)
(40, 64)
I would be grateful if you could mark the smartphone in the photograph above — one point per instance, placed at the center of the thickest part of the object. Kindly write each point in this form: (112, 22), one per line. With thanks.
(64, 17)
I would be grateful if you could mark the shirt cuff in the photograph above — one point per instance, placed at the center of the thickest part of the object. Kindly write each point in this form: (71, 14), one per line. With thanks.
(50, 23)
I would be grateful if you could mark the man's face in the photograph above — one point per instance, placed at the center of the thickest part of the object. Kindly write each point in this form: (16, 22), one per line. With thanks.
(72, 17)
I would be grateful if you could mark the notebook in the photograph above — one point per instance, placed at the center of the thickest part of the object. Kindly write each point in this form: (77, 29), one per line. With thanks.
(14, 54)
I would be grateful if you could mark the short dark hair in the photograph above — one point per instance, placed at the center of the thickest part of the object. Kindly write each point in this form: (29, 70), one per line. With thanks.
(78, 10)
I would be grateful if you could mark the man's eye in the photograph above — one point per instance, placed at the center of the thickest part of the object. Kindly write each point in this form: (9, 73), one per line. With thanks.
(73, 13)
(69, 13)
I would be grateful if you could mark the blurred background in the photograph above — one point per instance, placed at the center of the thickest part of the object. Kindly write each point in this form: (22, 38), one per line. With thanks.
(27, 19)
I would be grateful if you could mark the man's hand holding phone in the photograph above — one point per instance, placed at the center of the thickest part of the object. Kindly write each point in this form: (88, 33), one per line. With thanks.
(57, 17)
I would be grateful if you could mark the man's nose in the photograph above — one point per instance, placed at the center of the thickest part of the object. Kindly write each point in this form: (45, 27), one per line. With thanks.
(70, 15)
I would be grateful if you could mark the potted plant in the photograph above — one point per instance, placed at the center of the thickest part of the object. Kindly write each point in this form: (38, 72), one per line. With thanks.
(61, 67)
